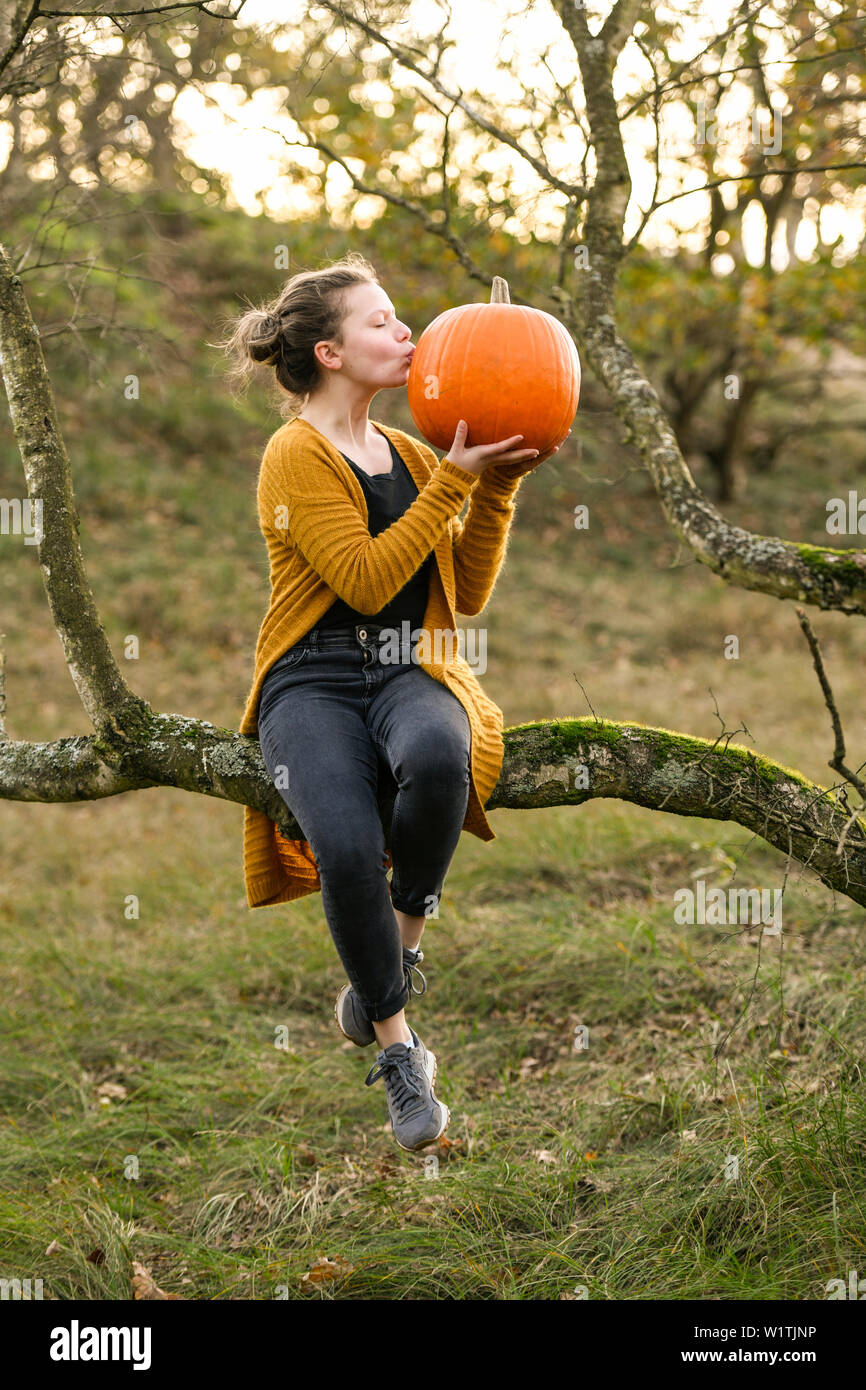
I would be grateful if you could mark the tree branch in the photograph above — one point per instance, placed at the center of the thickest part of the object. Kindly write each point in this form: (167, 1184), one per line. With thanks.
(618, 26)
(403, 56)
(756, 174)
(652, 767)
(837, 762)
(112, 708)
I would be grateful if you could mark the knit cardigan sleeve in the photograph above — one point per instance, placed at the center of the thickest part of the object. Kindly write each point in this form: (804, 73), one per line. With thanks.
(479, 543)
(304, 500)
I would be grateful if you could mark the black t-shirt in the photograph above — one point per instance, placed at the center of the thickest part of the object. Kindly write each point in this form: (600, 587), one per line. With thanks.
(387, 496)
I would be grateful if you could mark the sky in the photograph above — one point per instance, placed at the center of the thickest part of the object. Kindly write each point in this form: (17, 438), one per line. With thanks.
(255, 159)
(245, 138)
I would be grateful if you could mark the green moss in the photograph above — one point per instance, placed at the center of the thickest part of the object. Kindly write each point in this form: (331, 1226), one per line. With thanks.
(832, 562)
(566, 736)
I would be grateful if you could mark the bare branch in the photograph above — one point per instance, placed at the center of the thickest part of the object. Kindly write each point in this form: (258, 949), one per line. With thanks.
(15, 23)
(837, 762)
(745, 16)
(441, 229)
(618, 27)
(756, 174)
(403, 56)
(81, 13)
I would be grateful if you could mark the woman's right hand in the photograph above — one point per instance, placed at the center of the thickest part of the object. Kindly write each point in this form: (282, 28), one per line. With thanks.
(482, 456)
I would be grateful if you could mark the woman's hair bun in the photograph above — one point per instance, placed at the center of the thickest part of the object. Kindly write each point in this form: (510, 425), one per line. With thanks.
(266, 345)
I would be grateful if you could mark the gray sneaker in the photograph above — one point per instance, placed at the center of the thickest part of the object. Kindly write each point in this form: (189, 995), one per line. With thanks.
(352, 1021)
(417, 1117)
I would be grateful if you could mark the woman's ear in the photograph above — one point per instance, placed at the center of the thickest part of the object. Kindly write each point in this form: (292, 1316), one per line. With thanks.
(327, 355)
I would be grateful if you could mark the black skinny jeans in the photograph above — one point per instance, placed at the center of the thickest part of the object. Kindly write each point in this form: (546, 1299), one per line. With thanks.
(331, 708)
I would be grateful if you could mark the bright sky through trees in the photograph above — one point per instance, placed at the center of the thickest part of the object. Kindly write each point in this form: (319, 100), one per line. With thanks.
(226, 129)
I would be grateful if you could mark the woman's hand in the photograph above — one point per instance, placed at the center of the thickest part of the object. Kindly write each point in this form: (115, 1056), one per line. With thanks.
(516, 470)
(483, 456)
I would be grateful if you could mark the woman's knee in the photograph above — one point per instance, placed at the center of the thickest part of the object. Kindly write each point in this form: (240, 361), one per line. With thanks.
(349, 853)
(441, 760)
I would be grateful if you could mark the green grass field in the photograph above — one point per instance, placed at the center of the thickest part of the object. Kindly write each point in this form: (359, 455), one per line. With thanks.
(147, 1114)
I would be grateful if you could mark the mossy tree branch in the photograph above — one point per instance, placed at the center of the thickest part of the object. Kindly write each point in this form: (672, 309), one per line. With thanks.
(114, 711)
(561, 762)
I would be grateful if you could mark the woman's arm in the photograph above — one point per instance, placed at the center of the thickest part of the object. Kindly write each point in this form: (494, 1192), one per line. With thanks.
(480, 543)
(303, 501)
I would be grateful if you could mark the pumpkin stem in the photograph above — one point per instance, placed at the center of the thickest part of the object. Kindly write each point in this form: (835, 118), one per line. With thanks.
(499, 291)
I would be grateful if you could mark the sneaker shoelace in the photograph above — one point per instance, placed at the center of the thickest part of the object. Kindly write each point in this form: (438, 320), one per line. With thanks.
(400, 1081)
(408, 967)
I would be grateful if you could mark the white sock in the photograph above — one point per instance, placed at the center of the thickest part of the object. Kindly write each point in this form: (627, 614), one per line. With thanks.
(411, 1044)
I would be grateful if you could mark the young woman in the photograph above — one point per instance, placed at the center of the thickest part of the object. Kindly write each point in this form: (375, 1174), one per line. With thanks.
(361, 525)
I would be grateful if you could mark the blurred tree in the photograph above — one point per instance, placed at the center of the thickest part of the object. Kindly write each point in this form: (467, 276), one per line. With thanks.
(740, 322)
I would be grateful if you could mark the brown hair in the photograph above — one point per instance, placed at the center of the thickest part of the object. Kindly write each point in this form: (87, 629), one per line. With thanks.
(282, 334)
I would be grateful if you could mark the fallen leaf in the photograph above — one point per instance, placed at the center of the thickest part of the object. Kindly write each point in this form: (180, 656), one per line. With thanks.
(111, 1090)
(544, 1156)
(143, 1285)
(448, 1149)
(53, 1248)
(324, 1270)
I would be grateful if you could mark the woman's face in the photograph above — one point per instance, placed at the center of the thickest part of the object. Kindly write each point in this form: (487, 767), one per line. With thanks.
(376, 349)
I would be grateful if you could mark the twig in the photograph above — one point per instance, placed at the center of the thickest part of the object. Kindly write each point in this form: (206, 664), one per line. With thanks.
(837, 761)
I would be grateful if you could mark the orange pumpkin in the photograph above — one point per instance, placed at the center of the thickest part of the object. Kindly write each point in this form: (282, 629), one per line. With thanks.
(503, 368)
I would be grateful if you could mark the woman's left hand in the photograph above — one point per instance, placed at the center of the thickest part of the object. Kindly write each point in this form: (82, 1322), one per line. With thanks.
(516, 470)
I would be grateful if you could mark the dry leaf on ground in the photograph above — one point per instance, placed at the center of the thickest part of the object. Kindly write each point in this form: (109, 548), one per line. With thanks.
(143, 1285)
(324, 1270)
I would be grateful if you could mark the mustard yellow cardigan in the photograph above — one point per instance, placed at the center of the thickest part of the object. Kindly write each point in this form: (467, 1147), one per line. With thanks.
(313, 515)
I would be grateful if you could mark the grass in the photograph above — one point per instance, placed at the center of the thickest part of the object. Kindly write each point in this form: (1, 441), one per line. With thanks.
(150, 1115)
(709, 1143)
